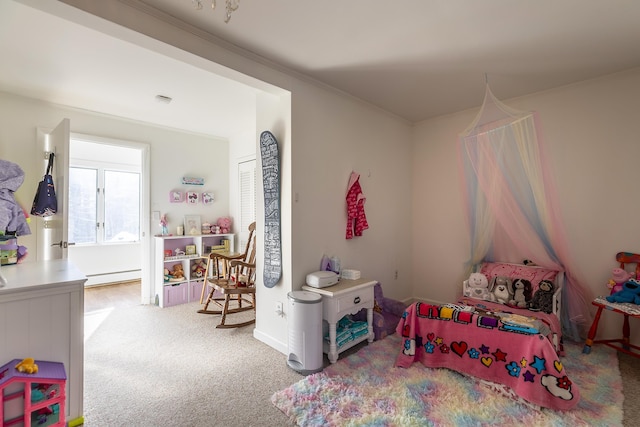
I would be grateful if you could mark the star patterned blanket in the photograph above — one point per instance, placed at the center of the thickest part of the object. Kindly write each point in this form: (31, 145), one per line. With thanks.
(480, 345)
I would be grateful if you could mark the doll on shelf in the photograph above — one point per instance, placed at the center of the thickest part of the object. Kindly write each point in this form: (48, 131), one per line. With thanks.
(163, 224)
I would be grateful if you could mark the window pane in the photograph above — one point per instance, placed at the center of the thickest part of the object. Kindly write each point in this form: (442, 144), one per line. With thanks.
(82, 205)
(121, 206)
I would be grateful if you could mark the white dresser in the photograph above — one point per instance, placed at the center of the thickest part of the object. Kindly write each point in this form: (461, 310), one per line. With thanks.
(42, 316)
(345, 297)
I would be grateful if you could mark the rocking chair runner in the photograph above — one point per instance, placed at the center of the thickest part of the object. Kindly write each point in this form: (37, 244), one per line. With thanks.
(234, 278)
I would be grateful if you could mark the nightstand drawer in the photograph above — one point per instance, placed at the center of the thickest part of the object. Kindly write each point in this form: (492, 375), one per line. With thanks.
(354, 301)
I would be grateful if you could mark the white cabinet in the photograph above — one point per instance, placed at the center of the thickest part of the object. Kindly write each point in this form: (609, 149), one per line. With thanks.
(345, 297)
(42, 316)
(187, 289)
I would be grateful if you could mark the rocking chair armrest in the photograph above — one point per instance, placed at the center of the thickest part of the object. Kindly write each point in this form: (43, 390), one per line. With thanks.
(225, 257)
(238, 263)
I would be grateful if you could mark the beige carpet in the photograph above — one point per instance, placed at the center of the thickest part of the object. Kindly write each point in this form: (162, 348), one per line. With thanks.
(630, 372)
(146, 366)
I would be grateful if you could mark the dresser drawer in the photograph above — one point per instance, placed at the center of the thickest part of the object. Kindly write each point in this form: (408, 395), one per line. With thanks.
(347, 303)
(355, 300)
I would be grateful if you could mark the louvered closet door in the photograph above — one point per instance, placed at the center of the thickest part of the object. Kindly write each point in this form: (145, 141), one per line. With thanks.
(247, 179)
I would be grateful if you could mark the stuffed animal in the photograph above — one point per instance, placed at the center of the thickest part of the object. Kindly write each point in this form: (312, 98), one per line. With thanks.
(177, 272)
(500, 289)
(543, 297)
(27, 365)
(618, 277)
(630, 293)
(225, 224)
(477, 287)
(521, 293)
(198, 268)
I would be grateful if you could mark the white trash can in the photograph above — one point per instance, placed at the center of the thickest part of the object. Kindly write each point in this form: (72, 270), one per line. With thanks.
(305, 332)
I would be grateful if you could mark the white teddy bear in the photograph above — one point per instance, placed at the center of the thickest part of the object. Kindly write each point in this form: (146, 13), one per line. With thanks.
(477, 286)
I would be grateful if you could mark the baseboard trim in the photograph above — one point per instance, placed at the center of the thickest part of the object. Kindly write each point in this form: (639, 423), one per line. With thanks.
(270, 341)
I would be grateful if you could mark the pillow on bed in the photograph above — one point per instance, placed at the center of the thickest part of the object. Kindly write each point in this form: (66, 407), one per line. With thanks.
(533, 274)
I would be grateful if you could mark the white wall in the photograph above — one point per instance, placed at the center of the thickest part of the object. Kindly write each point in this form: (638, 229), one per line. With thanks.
(593, 146)
(174, 154)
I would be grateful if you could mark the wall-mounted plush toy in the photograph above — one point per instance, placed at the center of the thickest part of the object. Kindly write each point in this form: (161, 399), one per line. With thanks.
(477, 287)
(618, 277)
(521, 293)
(630, 293)
(500, 289)
(543, 297)
(225, 224)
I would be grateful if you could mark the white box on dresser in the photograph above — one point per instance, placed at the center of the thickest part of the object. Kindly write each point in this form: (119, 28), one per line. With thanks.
(345, 297)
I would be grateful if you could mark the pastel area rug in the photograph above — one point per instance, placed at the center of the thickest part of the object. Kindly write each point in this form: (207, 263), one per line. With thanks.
(365, 389)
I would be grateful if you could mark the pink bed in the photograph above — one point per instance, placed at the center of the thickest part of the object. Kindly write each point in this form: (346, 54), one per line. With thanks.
(441, 336)
(505, 345)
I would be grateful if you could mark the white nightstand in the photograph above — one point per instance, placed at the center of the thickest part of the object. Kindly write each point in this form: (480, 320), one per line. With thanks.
(345, 297)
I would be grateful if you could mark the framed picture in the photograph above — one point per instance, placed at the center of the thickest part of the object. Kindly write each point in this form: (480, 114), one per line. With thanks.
(190, 249)
(176, 196)
(192, 180)
(192, 197)
(207, 198)
(191, 225)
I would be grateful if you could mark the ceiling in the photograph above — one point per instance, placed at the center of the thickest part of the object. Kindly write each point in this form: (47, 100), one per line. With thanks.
(414, 58)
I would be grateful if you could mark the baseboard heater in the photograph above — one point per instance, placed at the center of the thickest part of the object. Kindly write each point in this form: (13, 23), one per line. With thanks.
(112, 277)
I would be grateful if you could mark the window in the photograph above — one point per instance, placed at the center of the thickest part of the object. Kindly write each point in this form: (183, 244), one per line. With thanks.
(104, 194)
(83, 205)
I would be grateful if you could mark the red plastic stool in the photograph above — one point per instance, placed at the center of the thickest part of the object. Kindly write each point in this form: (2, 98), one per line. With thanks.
(620, 344)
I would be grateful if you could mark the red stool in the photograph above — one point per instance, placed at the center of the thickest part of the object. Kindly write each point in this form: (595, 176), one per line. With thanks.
(620, 344)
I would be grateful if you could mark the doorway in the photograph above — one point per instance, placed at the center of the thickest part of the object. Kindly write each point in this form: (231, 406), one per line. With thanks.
(108, 195)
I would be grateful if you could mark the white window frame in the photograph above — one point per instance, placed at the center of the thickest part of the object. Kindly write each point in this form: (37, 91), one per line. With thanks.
(101, 167)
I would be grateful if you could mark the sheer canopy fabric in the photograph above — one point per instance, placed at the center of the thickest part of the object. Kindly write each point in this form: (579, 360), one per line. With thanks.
(511, 197)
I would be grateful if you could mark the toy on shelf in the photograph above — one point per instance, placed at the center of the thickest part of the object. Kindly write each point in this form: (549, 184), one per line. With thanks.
(177, 272)
(163, 225)
(225, 224)
(27, 365)
(198, 268)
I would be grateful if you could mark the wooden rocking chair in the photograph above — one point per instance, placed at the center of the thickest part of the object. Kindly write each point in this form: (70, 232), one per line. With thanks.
(233, 276)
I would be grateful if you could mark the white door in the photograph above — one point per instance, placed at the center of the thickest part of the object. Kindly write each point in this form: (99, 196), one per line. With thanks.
(52, 231)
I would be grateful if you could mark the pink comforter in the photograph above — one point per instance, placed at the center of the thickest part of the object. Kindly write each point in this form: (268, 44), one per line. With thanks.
(443, 337)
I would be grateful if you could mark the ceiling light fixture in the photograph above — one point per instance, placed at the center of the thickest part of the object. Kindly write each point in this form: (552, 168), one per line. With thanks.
(164, 99)
(230, 6)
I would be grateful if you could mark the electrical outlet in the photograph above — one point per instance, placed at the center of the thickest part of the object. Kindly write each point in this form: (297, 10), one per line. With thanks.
(279, 310)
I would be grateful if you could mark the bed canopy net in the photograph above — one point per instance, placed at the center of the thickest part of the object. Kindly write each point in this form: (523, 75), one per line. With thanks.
(510, 199)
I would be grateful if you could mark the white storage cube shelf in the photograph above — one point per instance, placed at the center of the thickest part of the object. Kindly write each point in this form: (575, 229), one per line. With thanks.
(188, 289)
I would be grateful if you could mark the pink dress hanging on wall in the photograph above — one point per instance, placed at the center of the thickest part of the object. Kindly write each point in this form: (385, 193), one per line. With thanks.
(356, 218)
